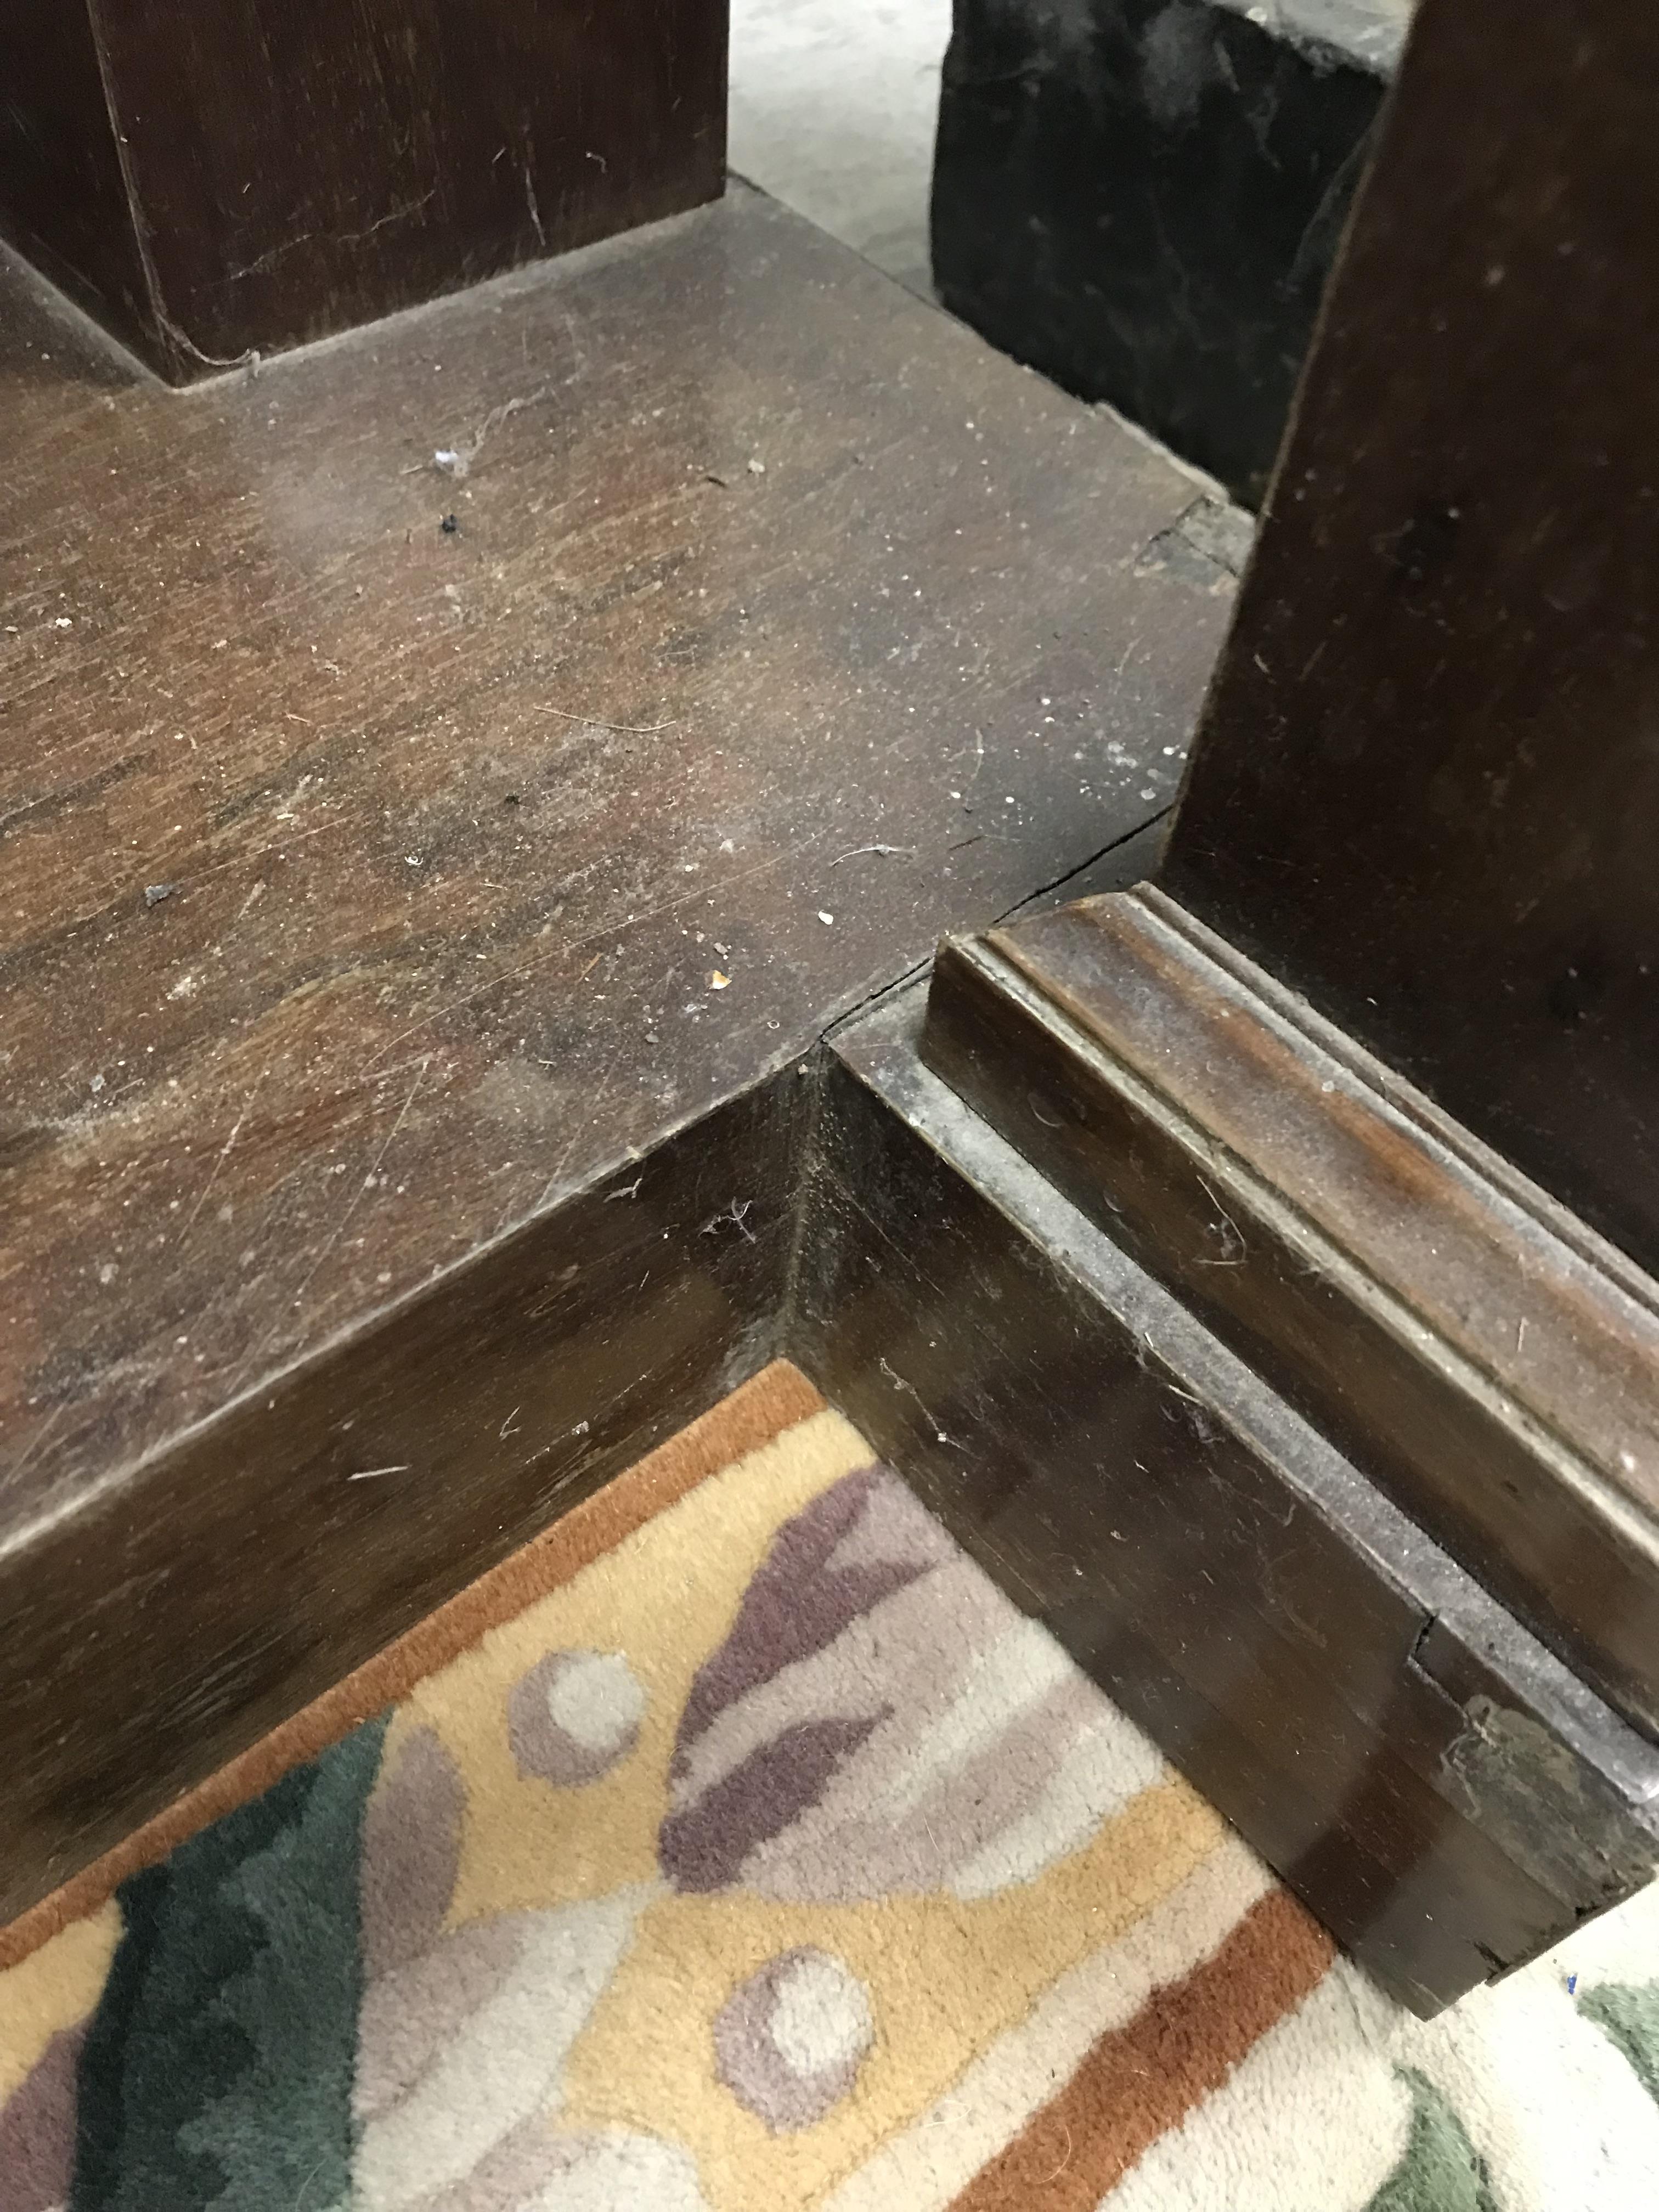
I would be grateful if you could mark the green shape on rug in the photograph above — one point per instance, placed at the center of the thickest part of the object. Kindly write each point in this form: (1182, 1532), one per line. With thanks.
(1440, 2170)
(217, 2068)
(1627, 2013)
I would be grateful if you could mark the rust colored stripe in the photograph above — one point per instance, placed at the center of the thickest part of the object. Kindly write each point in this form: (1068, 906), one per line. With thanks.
(774, 1400)
(1143, 2079)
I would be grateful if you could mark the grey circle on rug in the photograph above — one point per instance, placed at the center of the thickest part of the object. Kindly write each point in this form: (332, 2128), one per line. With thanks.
(789, 2041)
(574, 1716)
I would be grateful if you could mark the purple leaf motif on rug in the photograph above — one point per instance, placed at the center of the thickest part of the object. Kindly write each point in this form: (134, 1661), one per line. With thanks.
(881, 1720)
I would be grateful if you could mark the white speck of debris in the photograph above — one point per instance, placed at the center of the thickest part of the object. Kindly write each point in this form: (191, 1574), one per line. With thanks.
(689, 867)
(411, 859)
(64, 621)
(727, 846)
(1627, 1461)
(97, 1084)
(449, 461)
(186, 987)
(719, 982)
(220, 643)
(108, 1272)
(826, 919)
(757, 468)
(1008, 798)
(1149, 793)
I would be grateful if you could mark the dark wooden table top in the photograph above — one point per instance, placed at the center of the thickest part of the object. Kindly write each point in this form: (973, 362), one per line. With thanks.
(387, 847)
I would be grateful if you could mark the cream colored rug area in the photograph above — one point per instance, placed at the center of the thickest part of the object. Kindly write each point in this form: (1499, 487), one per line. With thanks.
(739, 1848)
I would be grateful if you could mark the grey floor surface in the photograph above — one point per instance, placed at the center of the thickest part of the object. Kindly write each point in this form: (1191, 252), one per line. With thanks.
(834, 104)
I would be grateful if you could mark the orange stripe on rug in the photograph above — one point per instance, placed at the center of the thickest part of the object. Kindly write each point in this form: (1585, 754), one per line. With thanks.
(1142, 2080)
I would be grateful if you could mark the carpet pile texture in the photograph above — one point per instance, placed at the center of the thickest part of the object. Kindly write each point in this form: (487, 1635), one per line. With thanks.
(739, 1846)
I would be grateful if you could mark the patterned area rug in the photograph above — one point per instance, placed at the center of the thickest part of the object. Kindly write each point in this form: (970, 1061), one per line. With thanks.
(737, 1845)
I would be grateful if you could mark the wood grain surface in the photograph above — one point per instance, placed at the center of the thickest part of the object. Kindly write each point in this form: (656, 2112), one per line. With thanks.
(213, 182)
(182, 1612)
(367, 884)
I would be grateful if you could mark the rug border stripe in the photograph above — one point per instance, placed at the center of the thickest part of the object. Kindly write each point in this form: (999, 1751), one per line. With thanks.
(1141, 2079)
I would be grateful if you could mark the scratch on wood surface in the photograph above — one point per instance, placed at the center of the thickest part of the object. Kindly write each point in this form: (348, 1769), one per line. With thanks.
(275, 253)
(368, 1473)
(32, 1451)
(236, 1131)
(520, 968)
(581, 1428)
(264, 851)
(979, 764)
(529, 194)
(649, 730)
(581, 1123)
(600, 1096)
(365, 1183)
(736, 1215)
(1229, 1257)
(911, 1391)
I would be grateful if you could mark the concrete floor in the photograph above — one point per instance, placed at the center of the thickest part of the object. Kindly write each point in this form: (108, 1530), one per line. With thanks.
(834, 104)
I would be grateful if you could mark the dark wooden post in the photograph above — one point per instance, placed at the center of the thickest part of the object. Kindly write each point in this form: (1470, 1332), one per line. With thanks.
(1427, 789)
(1372, 1078)
(211, 183)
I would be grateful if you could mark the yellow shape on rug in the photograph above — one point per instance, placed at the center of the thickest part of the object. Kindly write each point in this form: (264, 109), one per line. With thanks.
(54, 1988)
(943, 1976)
(664, 1598)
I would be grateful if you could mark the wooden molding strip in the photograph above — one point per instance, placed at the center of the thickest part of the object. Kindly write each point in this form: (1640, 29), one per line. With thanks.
(1488, 1358)
(1438, 1787)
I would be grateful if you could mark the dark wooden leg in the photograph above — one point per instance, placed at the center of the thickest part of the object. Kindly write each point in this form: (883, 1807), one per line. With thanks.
(1145, 201)
(216, 183)
(1425, 789)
